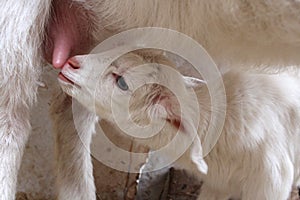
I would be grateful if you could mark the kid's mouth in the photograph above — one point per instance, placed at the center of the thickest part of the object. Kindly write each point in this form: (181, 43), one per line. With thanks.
(64, 78)
(67, 81)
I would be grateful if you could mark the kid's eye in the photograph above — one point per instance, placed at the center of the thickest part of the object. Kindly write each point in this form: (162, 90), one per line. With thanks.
(122, 83)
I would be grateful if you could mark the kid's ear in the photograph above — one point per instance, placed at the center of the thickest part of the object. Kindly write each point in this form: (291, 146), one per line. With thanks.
(184, 122)
(197, 155)
(191, 82)
(166, 106)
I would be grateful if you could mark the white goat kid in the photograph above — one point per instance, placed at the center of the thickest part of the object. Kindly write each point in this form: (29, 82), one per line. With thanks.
(256, 156)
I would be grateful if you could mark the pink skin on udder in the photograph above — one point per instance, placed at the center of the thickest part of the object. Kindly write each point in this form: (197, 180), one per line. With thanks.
(68, 32)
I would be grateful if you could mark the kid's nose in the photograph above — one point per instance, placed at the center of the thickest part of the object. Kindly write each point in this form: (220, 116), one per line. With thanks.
(74, 63)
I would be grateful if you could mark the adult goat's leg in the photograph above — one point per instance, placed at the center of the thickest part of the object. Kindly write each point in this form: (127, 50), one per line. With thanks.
(21, 32)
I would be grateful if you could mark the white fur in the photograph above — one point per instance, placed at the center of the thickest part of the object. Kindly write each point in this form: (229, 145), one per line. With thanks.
(256, 156)
(74, 168)
(22, 24)
(236, 32)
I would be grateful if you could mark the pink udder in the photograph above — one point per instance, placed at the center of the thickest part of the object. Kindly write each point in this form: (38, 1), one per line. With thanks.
(68, 32)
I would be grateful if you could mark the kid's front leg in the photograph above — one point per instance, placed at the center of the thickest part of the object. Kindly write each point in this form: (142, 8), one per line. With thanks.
(73, 132)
